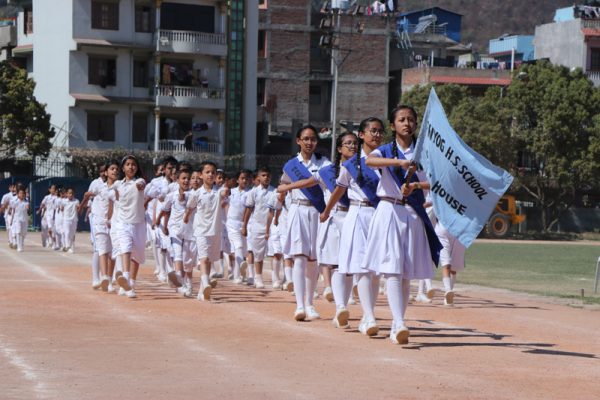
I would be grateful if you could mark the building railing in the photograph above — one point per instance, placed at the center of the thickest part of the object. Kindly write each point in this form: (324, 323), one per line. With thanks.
(178, 146)
(590, 23)
(165, 36)
(191, 91)
(594, 76)
(435, 29)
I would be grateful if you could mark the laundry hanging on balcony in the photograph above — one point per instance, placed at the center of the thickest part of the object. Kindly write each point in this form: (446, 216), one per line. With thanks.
(202, 126)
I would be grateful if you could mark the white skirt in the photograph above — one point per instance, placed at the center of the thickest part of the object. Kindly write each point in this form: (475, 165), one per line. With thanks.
(328, 238)
(353, 239)
(397, 243)
(301, 234)
(453, 252)
(132, 239)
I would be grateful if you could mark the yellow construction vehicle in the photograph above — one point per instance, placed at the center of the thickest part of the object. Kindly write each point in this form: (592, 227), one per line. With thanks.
(504, 216)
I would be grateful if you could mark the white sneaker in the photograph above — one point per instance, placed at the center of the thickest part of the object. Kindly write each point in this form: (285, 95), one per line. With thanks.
(162, 278)
(238, 281)
(124, 283)
(289, 286)
(131, 294)
(258, 283)
(341, 318)
(315, 294)
(276, 285)
(411, 299)
(122, 292)
(300, 314)
(369, 328)
(400, 335)
(311, 313)
(449, 298)
(328, 294)
(19, 250)
(381, 290)
(96, 285)
(250, 282)
(111, 288)
(71, 250)
(422, 298)
(431, 293)
(188, 291)
(104, 284)
(351, 301)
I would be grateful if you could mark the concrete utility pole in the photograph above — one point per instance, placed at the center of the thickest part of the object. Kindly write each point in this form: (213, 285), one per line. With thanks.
(334, 70)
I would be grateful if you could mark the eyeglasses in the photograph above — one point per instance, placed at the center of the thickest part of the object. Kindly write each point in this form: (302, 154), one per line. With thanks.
(350, 144)
(376, 132)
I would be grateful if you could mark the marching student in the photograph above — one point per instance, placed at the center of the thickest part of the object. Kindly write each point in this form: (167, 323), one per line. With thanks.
(219, 267)
(87, 199)
(275, 241)
(19, 212)
(303, 219)
(4, 207)
(47, 208)
(131, 233)
(401, 243)
(58, 220)
(257, 204)
(207, 202)
(235, 219)
(43, 223)
(278, 232)
(70, 209)
(452, 260)
(183, 243)
(360, 184)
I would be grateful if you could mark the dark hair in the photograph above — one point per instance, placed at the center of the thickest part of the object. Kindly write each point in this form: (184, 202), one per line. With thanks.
(361, 128)
(182, 171)
(70, 188)
(338, 156)
(205, 163)
(184, 165)
(398, 170)
(138, 173)
(157, 166)
(312, 128)
(170, 160)
(263, 168)
(243, 171)
(20, 187)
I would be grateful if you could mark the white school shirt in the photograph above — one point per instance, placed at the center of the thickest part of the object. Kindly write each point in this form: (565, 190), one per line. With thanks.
(260, 198)
(347, 181)
(177, 208)
(131, 201)
(100, 204)
(19, 210)
(209, 210)
(387, 185)
(313, 165)
(70, 209)
(51, 201)
(6, 199)
(237, 206)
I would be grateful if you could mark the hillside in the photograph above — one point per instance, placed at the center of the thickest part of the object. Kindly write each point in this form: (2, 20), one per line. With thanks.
(487, 19)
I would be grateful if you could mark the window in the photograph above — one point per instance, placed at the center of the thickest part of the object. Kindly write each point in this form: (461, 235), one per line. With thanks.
(28, 25)
(314, 94)
(187, 17)
(105, 15)
(143, 18)
(262, 44)
(595, 59)
(260, 91)
(100, 126)
(102, 71)
(140, 73)
(139, 132)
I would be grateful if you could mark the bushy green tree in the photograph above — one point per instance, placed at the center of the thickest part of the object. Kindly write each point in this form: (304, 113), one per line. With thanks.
(24, 123)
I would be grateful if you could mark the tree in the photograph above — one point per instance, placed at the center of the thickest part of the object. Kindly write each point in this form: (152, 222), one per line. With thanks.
(556, 121)
(24, 124)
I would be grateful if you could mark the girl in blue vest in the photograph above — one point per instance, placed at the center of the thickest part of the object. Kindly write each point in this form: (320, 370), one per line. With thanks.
(360, 184)
(401, 243)
(303, 219)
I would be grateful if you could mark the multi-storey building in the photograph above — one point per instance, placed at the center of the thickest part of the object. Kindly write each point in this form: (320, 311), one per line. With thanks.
(572, 40)
(295, 74)
(136, 74)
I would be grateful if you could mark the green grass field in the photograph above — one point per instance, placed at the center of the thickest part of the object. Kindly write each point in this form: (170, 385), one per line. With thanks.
(560, 270)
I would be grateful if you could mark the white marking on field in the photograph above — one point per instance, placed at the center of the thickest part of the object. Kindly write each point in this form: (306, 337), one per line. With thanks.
(27, 370)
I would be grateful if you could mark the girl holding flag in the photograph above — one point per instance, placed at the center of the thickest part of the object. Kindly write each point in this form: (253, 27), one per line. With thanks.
(303, 219)
(401, 243)
(360, 185)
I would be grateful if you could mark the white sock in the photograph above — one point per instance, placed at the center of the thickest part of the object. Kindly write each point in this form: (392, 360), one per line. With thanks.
(405, 295)
(276, 269)
(132, 283)
(204, 280)
(374, 289)
(126, 275)
(168, 262)
(341, 284)
(428, 285)
(158, 260)
(288, 272)
(366, 298)
(312, 279)
(299, 279)
(258, 279)
(447, 284)
(421, 290)
(239, 258)
(251, 271)
(395, 298)
(20, 242)
(220, 266)
(452, 280)
(95, 267)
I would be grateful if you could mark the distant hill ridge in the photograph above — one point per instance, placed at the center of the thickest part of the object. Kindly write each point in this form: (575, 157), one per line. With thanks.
(488, 19)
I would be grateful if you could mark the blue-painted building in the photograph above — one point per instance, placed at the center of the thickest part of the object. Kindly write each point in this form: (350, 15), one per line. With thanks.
(501, 48)
(431, 20)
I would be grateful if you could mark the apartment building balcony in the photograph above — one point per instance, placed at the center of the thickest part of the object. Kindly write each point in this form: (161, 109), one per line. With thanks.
(8, 36)
(178, 146)
(173, 41)
(191, 97)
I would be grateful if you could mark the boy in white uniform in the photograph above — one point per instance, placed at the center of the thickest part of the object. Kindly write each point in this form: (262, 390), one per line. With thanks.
(258, 204)
(71, 210)
(235, 220)
(19, 210)
(4, 207)
(208, 202)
